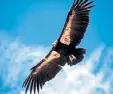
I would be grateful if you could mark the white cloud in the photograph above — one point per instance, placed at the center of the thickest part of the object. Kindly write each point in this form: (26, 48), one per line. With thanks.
(16, 61)
(17, 58)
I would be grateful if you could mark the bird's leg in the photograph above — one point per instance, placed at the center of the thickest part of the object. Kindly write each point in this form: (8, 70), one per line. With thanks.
(72, 59)
(54, 43)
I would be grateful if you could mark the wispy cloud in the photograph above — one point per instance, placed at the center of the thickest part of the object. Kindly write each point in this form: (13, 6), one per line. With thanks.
(17, 58)
(15, 63)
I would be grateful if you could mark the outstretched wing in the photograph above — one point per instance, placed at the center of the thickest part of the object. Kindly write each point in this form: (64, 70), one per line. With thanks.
(76, 22)
(43, 72)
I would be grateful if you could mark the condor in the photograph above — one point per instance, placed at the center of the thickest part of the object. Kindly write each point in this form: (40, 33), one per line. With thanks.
(64, 50)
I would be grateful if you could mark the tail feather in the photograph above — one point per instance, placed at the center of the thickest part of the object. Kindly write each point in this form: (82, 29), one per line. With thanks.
(77, 56)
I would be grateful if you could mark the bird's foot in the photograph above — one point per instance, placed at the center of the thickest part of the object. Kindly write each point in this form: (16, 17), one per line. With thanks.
(72, 59)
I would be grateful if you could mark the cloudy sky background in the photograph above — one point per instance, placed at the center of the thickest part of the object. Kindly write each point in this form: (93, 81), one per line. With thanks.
(27, 29)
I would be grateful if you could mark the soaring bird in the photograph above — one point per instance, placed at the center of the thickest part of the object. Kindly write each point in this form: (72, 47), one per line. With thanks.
(64, 50)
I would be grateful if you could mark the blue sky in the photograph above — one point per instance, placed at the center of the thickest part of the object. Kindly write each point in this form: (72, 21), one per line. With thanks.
(30, 26)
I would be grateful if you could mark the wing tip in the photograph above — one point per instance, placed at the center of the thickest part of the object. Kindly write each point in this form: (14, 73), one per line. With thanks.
(82, 3)
(32, 83)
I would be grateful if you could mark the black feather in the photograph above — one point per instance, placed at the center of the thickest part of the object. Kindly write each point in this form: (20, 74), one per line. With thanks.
(38, 83)
(31, 84)
(80, 2)
(34, 84)
(83, 2)
(28, 84)
(87, 4)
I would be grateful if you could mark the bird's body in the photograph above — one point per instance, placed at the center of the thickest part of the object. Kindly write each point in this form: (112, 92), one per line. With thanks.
(64, 50)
